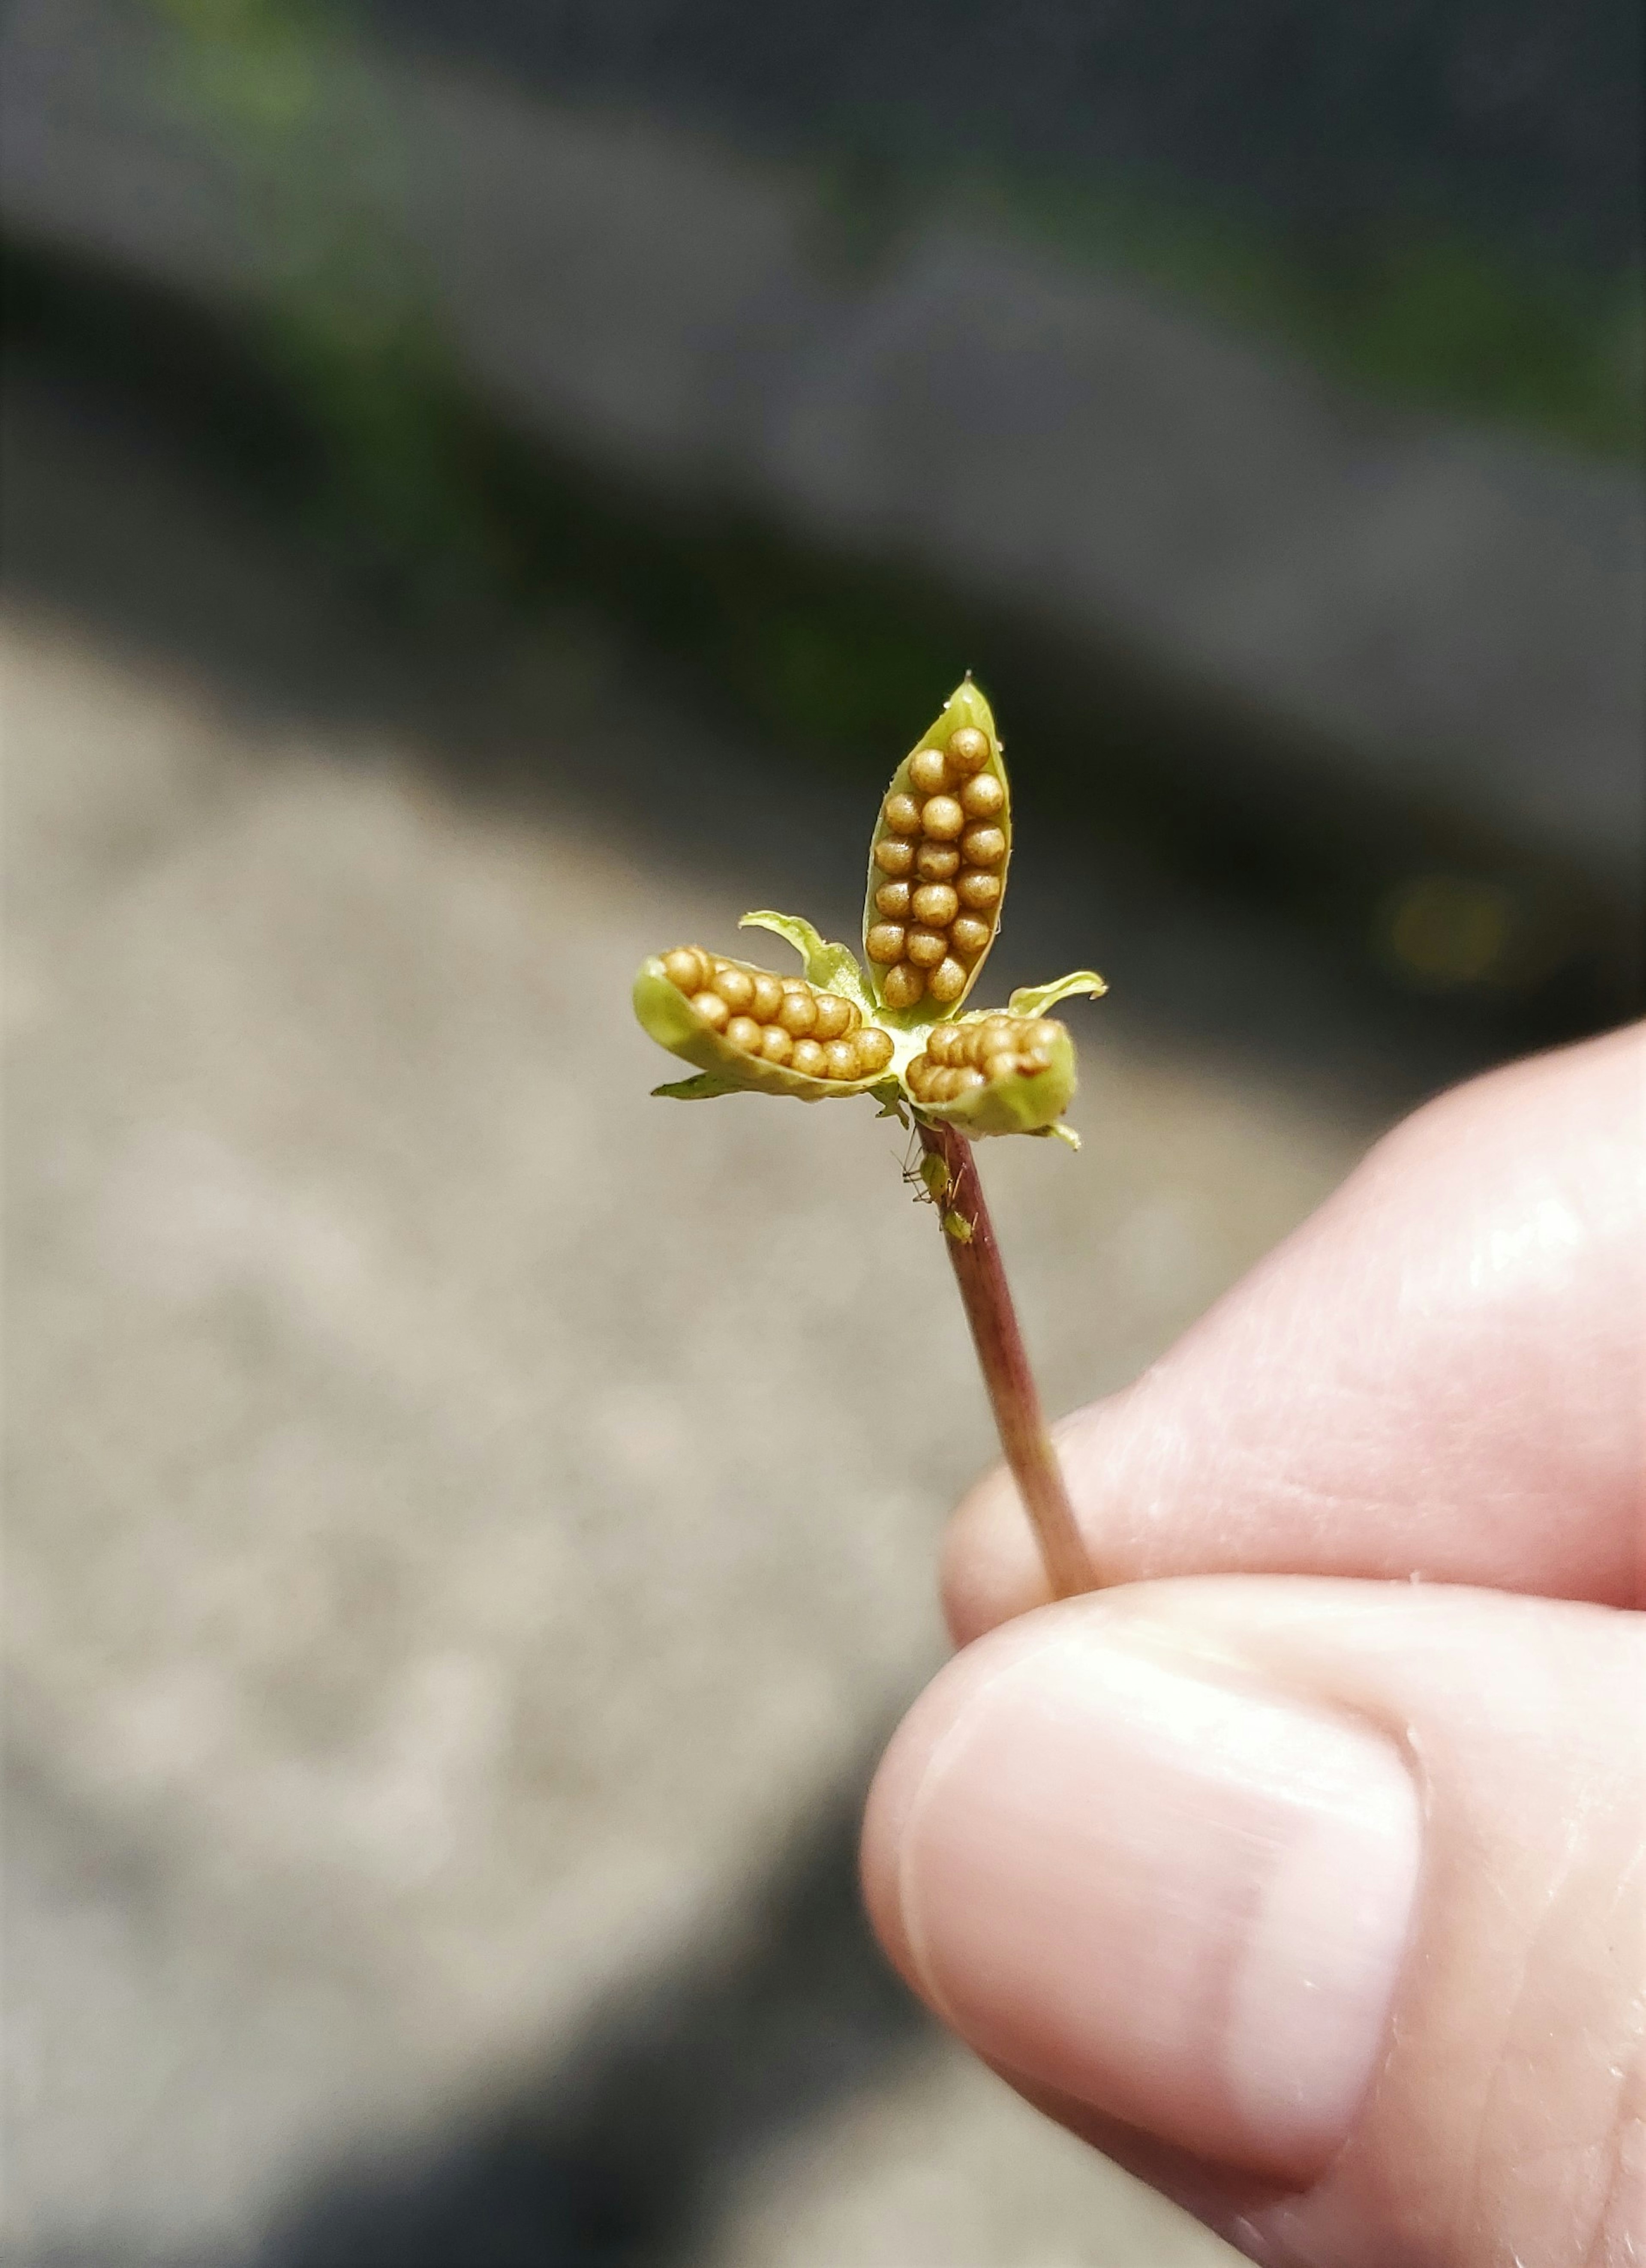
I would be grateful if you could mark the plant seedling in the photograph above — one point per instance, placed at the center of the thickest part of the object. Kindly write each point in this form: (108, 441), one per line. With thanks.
(897, 1027)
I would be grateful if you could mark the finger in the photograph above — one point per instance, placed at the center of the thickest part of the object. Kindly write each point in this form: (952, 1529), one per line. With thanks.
(1322, 1899)
(1440, 1374)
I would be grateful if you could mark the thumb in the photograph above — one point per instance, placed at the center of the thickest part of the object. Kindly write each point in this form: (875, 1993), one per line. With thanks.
(1317, 1902)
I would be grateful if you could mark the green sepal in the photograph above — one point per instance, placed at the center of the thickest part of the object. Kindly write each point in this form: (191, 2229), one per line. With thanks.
(1030, 1103)
(701, 1089)
(666, 1013)
(1035, 999)
(831, 968)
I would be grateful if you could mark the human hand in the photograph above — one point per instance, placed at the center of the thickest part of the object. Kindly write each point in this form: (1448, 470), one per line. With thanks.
(1303, 1873)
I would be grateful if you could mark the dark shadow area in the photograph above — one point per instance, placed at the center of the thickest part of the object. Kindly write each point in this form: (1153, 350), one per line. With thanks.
(501, 593)
(617, 2151)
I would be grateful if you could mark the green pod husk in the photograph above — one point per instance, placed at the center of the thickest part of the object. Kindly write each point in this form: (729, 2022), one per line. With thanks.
(966, 705)
(666, 1013)
(1027, 1103)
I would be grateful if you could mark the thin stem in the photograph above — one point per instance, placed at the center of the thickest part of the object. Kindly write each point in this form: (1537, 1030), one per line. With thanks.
(986, 1298)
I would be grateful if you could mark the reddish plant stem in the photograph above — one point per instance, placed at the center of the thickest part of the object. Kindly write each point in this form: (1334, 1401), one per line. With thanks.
(987, 1299)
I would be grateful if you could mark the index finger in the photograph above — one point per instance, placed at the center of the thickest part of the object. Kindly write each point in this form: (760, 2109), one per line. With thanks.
(1438, 1377)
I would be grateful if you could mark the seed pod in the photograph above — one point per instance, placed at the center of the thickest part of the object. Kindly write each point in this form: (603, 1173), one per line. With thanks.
(992, 1083)
(948, 798)
(814, 1044)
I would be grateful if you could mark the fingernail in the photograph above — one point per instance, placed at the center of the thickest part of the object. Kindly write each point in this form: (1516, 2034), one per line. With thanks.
(1156, 1886)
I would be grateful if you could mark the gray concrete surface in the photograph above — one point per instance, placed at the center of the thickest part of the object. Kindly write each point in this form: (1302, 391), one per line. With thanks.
(1429, 613)
(462, 1557)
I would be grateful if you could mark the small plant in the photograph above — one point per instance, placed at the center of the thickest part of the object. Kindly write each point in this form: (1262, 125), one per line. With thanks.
(895, 1030)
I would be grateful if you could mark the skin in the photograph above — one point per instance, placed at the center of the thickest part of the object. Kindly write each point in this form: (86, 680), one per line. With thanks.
(1377, 1544)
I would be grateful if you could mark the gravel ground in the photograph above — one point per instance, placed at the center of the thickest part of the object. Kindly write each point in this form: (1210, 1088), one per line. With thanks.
(464, 1543)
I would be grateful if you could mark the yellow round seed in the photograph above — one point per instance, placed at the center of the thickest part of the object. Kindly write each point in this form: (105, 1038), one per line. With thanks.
(940, 1085)
(735, 986)
(892, 900)
(884, 942)
(929, 774)
(1042, 1033)
(983, 846)
(917, 1077)
(835, 1017)
(798, 1011)
(745, 1033)
(688, 966)
(980, 892)
(968, 749)
(807, 1059)
(936, 862)
(936, 904)
(982, 797)
(903, 985)
(840, 1059)
(942, 818)
(1002, 1065)
(903, 814)
(925, 947)
(776, 1045)
(947, 981)
(1035, 1061)
(874, 1049)
(967, 1081)
(768, 997)
(996, 1034)
(893, 857)
(712, 1009)
(968, 935)
(943, 1041)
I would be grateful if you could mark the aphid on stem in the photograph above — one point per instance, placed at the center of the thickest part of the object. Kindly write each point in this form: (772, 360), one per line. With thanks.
(893, 1027)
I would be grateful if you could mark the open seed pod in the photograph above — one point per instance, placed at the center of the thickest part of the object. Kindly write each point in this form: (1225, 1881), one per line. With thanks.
(937, 866)
(937, 887)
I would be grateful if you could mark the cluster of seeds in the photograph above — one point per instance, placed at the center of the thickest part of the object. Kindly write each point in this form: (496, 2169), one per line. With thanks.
(781, 1020)
(942, 852)
(960, 1058)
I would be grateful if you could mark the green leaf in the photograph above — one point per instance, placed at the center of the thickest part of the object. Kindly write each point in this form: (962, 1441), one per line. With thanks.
(1035, 999)
(832, 966)
(698, 1089)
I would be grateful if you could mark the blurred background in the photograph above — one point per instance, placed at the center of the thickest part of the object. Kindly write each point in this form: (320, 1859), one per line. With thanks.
(492, 491)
